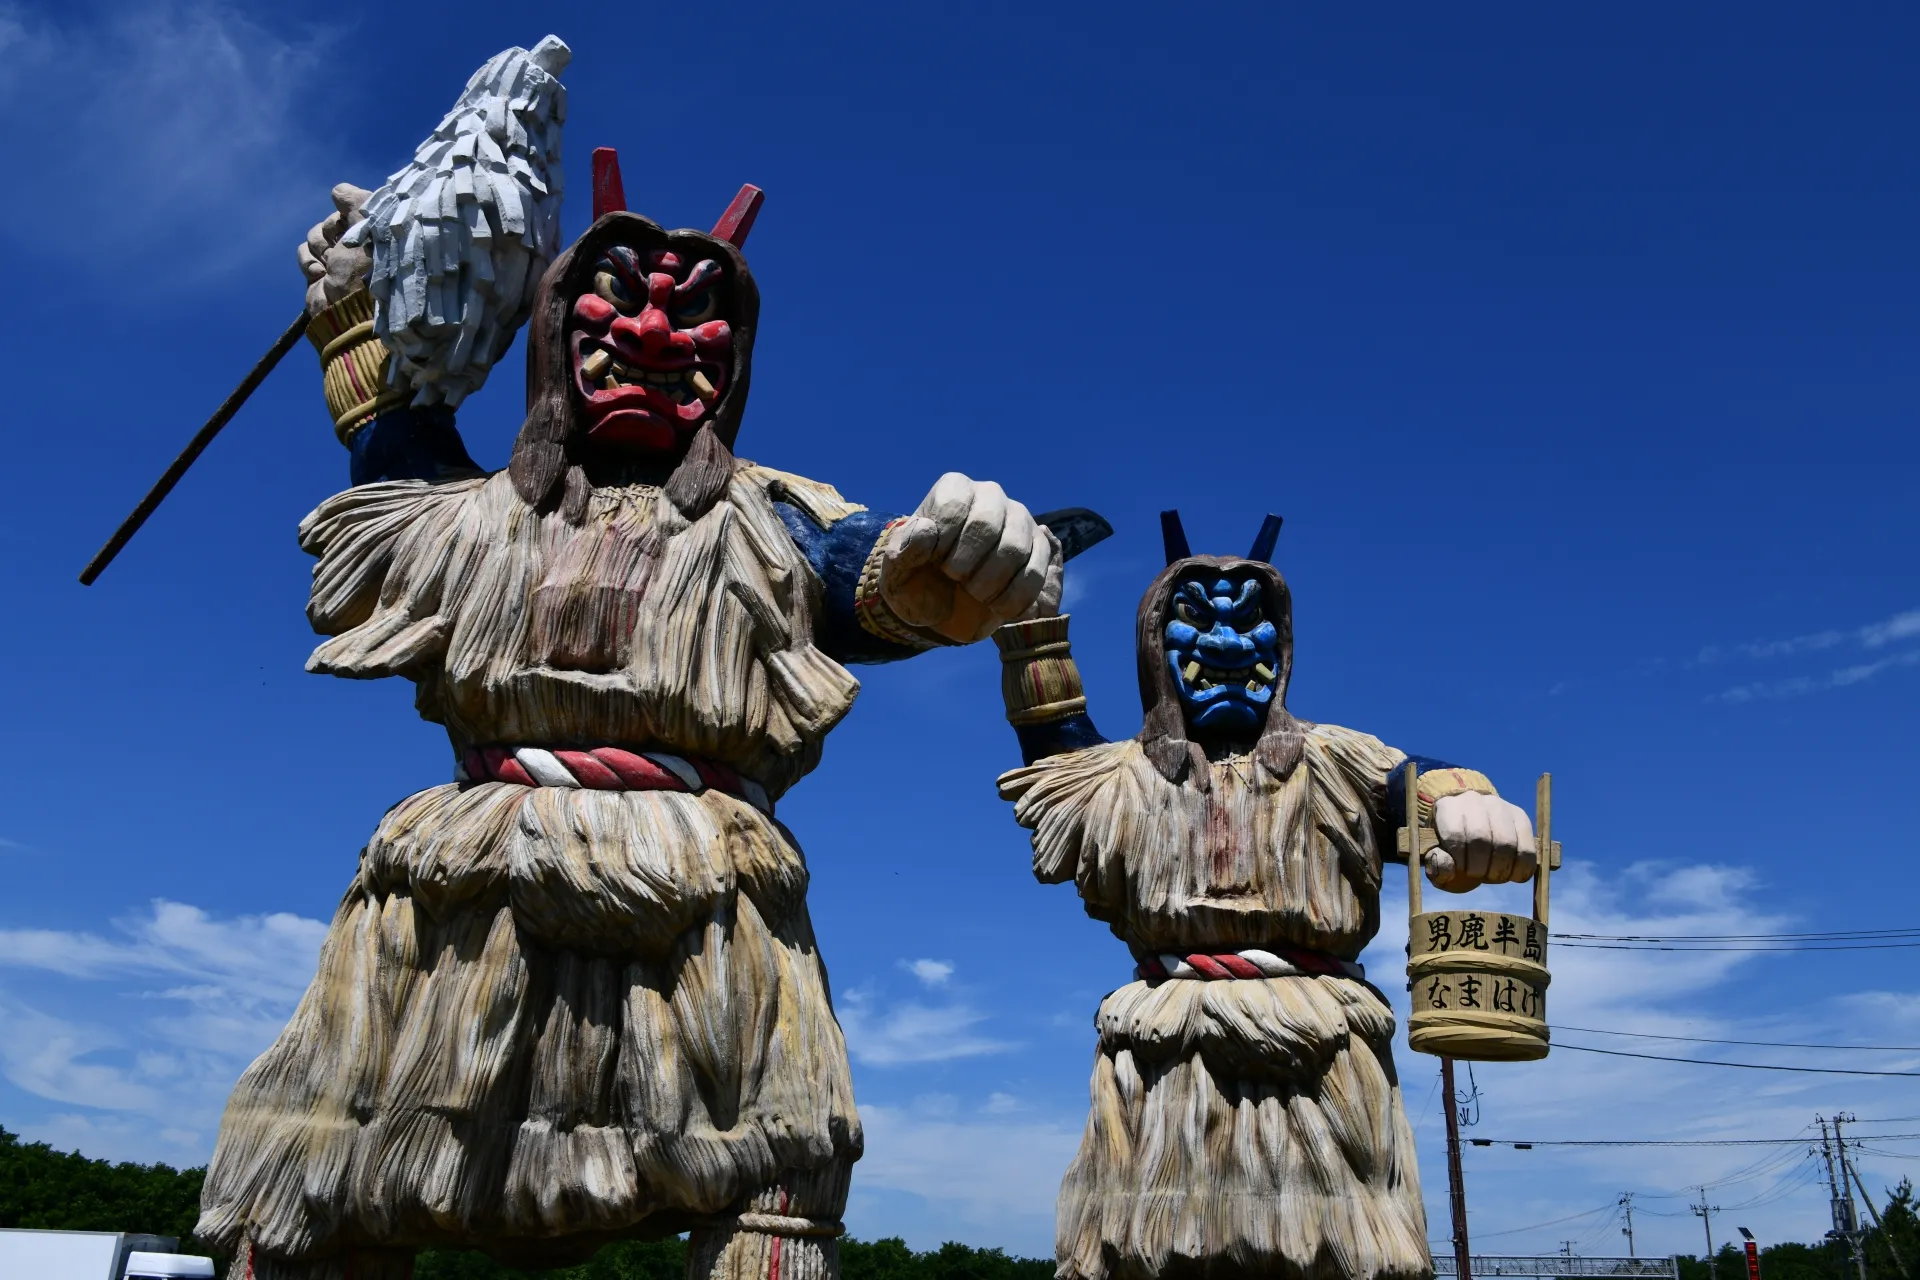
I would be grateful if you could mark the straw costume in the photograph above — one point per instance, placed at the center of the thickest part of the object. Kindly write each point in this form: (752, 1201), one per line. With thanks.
(573, 994)
(1246, 1116)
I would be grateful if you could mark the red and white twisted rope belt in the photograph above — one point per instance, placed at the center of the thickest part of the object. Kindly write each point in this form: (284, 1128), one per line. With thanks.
(1284, 962)
(607, 769)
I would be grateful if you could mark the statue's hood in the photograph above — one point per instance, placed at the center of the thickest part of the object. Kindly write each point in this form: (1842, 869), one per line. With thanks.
(1163, 729)
(547, 445)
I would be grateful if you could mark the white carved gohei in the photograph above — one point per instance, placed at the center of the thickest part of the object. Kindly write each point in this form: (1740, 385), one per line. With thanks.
(461, 236)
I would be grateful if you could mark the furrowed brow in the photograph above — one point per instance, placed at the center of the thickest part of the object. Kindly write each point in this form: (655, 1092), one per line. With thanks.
(704, 273)
(626, 264)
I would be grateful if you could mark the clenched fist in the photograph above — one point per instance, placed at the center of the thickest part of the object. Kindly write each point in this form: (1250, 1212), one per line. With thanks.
(968, 560)
(1483, 840)
(334, 272)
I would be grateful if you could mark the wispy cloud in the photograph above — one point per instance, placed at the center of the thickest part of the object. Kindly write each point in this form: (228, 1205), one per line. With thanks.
(1869, 638)
(1837, 678)
(50, 1057)
(997, 1165)
(179, 135)
(251, 958)
(1579, 1095)
(933, 973)
(1903, 626)
(209, 995)
(1875, 635)
(910, 1031)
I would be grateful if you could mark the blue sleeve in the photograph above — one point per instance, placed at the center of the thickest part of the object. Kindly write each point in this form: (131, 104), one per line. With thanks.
(410, 444)
(838, 554)
(1395, 806)
(1057, 737)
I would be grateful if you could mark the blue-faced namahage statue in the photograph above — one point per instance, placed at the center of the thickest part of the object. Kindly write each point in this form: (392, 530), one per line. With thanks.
(1246, 1117)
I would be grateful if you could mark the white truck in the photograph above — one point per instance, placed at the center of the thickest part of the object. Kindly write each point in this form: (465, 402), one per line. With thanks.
(96, 1255)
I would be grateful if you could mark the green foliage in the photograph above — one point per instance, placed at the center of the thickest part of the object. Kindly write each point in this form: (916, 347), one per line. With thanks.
(1826, 1261)
(1901, 1235)
(1729, 1264)
(628, 1260)
(65, 1191)
(888, 1259)
(1831, 1259)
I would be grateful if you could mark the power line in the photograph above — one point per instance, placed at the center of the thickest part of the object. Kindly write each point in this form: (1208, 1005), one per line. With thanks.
(1758, 1044)
(1509, 1231)
(1428, 1104)
(1772, 1159)
(1804, 1175)
(1828, 935)
(1858, 1145)
(1676, 1142)
(1791, 1173)
(1600, 1230)
(1749, 1066)
(1787, 1185)
(1636, 946)
(1771, 1163)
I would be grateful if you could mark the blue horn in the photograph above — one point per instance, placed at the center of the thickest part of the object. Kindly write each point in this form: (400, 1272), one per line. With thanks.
(1263, 544)
(1174, 536)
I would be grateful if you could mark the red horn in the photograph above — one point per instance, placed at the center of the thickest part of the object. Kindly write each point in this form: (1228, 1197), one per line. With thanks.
(738, 219)
(608, 195)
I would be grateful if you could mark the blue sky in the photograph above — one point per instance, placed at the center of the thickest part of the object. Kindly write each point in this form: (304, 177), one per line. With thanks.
(1577, 349)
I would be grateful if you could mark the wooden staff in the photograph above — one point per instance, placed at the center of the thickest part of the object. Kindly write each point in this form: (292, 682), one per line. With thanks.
(195, 447)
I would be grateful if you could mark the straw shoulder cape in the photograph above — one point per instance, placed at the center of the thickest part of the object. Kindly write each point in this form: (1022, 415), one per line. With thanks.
(1239, 1128)
(546, 1013)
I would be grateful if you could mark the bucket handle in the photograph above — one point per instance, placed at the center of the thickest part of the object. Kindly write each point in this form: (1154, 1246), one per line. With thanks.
(1415, 840)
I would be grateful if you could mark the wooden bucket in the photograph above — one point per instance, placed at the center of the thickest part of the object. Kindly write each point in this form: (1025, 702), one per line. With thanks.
(1478, 978)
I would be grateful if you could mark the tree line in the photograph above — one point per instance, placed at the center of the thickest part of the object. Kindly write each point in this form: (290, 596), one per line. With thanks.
(64, 1190)
(1894, 1242)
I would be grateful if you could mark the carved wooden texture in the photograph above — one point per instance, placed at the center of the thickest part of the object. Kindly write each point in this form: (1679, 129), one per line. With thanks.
(1238, 1127)
(1478, 978)
(463, 233)
(1479, 982)
(547, 1017)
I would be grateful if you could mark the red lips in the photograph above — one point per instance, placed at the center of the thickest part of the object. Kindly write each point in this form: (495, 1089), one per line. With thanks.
(641, 416)
(639, 413)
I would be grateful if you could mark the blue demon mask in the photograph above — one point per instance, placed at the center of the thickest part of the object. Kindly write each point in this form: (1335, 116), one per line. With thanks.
(1224, 652)
(1214, 648)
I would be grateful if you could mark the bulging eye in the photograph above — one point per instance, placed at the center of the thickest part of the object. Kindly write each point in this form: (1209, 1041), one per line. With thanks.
(608, 286)
(1254, 616)
(696, 310)
(1185, 611)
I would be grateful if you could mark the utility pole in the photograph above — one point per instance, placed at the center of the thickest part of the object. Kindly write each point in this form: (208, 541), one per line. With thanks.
(1626, 1202)
(1848, 1171)
(1846, 1218)
(1705, 1212)
(1833, 1187)
(1456, 1177)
